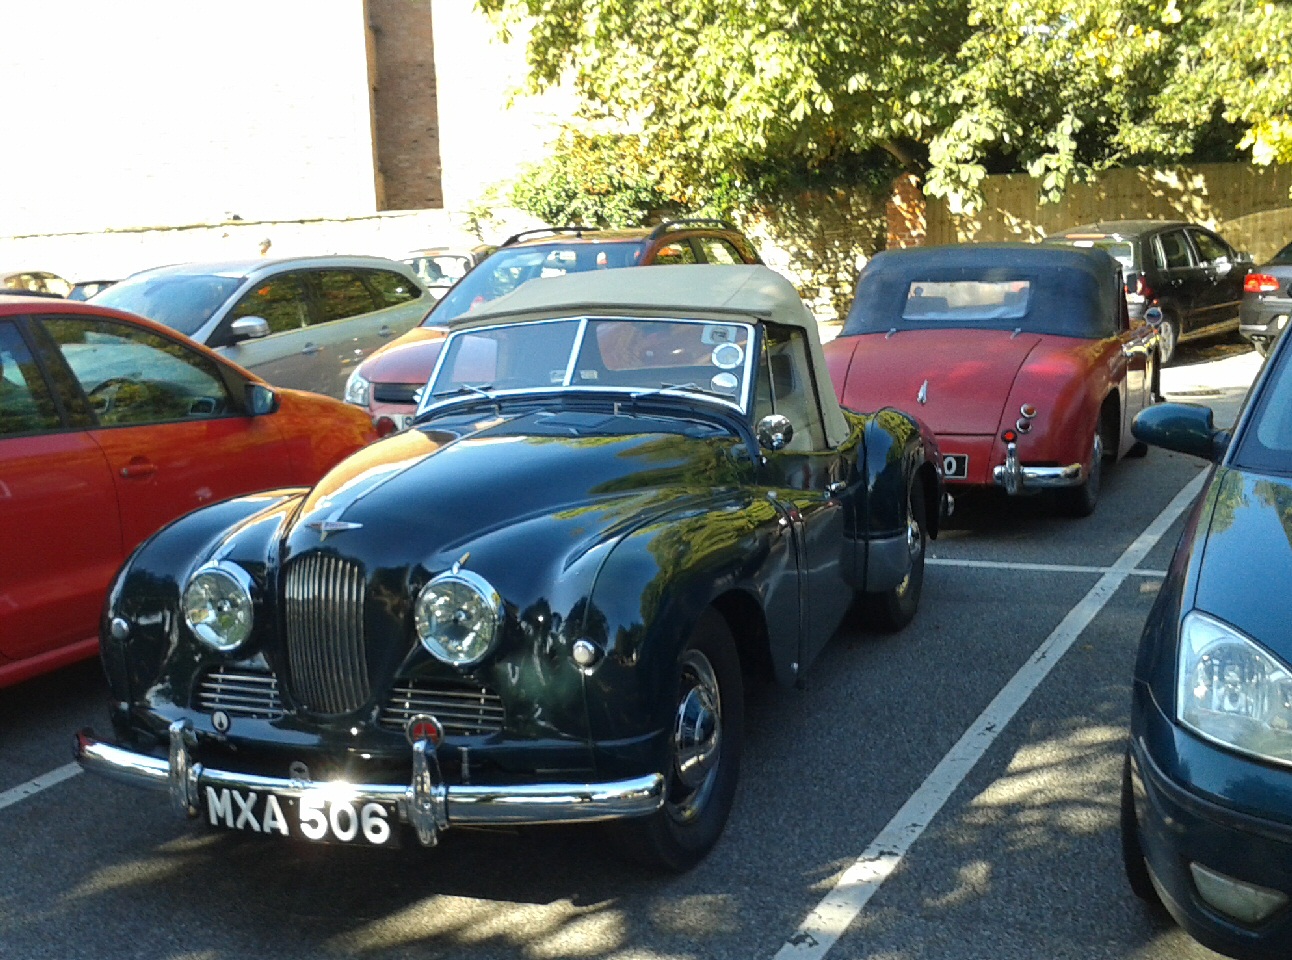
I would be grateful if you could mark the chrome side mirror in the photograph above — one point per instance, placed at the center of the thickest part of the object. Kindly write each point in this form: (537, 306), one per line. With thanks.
(775, 431)
(1153, 315)
(248, 328)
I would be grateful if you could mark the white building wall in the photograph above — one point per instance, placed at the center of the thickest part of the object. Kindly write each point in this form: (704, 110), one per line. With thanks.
(157, 112)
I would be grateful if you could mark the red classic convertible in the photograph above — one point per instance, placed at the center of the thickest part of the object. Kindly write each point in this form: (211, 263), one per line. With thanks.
(110, 427)
(1021, 358)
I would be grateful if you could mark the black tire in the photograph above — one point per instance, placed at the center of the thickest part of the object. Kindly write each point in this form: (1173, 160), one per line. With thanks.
(890, 610)
(710, 692)
(1081, 501)
(1168, 337)
(1132, 853)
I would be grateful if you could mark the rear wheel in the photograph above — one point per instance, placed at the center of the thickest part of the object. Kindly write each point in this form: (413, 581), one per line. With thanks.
(1081, 501)
(1168, 336)
(890, 610)
(704, 754)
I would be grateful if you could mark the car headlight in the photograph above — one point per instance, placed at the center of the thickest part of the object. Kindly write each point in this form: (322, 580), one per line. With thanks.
(457, 616)
(217, 605)
(357, 389)
(1232, 691)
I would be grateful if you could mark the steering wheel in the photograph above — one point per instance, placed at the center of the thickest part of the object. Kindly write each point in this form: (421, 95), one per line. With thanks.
(103, 396)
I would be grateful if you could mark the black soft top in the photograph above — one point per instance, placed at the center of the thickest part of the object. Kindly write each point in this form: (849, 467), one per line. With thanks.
(1073, 292)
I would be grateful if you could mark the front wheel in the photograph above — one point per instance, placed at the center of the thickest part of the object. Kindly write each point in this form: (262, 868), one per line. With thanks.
(704, 754)
(890, 610)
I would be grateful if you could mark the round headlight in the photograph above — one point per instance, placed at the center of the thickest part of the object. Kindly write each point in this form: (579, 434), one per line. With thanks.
(217, 605)
(457, 617)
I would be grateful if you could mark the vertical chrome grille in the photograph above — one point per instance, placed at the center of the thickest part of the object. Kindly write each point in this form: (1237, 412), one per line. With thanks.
(329, 666)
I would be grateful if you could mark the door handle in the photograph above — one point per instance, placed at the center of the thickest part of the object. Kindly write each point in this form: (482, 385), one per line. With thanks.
(310, 348)
(139, 469)
(838, 486)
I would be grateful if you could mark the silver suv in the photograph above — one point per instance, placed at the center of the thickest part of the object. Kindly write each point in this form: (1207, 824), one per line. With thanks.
(303, 322)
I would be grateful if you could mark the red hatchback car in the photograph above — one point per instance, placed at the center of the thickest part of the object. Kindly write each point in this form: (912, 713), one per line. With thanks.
(1021, 358)
(110, 427)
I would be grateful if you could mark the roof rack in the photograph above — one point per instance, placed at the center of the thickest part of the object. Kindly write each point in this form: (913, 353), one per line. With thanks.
(684, 222)
(517, 237)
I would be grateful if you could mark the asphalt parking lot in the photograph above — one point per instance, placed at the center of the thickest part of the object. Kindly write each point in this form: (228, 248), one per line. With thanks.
(947, 792)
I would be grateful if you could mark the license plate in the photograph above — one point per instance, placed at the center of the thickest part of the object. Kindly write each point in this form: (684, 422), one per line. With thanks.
(314, 816)
(955, 466)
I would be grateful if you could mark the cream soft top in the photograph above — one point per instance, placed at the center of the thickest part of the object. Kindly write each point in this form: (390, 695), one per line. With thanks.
(701, 291)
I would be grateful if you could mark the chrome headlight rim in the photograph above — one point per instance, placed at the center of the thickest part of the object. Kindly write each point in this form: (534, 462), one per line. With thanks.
(245, 586)
(1192, 650)
(487, 595)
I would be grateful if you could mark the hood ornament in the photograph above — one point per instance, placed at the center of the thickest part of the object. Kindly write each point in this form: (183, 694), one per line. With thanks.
(332, 525)
(923, 395)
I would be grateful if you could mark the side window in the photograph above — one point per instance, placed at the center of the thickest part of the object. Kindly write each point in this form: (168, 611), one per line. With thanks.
(679, 251)
(786, 386)
(1175, 250)
(1210, 249)
(392, 288)
(282, 301)
(25, 404)
(133, 376)
(342, 294)
(718, 250)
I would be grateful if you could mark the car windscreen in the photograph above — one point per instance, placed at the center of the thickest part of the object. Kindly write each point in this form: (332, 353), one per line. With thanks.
(633, 356)
(1119, 250)
(506, 269)
(1284, 256)
(182, 302)
(967, 301)
(1265, 443)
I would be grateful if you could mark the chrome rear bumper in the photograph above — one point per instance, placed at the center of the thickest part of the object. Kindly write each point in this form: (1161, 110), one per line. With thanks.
(427, 803)
(1017, 478)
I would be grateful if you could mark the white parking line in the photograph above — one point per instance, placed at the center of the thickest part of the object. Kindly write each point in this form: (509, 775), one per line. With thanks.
(37, 784)
(850, 894)
(1039, 567)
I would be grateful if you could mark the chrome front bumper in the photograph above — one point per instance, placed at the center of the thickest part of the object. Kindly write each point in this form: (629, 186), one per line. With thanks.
(427, 804)
(1016, 478)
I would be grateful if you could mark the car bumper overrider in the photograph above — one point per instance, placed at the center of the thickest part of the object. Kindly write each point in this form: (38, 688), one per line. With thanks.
(1018, 478)
(427, 803)
(1224, 874)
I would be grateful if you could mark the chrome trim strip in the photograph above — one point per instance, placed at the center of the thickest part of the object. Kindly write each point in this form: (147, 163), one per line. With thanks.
(1017, 478)
(426, 803)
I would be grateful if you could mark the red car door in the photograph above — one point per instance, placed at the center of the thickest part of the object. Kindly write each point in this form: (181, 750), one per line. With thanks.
(173, 433)
(58, 516)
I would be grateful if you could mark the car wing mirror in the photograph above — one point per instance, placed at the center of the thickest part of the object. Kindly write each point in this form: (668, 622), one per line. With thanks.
(775, 431)
(1153, 315)
(261, 400)
(1183, 427)
(248, 328)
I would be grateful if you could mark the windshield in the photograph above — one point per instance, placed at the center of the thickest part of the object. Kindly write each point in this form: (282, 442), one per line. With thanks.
(182, 302)
(1119, 250)
(1283, 256)
(1265, 444)
(508, 268)
(625, 355)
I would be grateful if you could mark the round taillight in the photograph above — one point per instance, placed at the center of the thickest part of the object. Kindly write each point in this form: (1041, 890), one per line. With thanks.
(1009, 436)
(384, 426)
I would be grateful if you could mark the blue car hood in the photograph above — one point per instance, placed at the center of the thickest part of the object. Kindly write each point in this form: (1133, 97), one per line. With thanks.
(1245, 575)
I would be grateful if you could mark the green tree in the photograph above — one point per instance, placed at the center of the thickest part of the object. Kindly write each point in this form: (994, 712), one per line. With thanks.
(950, 89)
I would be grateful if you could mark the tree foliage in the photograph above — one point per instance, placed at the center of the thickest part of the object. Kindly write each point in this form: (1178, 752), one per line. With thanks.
(950, 89)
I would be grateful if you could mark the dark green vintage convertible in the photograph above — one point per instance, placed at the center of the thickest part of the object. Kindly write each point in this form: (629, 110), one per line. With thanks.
(624, 492)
